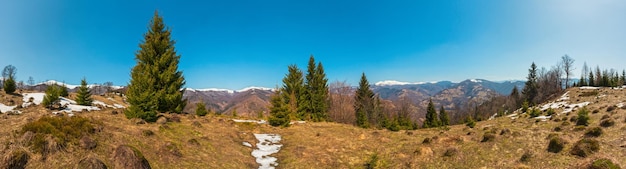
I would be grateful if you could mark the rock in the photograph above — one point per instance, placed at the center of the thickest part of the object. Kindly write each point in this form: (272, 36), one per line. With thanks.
(174, 118)
(91, 163)
(161, 120)
(114, 112)
(16, 159)
(196, 124)
(138, 121)
(126, 156)
(87, 143)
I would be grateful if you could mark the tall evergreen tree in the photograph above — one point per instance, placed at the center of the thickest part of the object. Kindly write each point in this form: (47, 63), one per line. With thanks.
(156, 83)
(9, 85)
(591, 79)
(515, 97)
(363, 102)
(51, 97)
(279, 111)
(83, 96)
(431, 116)
(623, 78)
(443, 117)
(530, 90)
(64, 91)
(293, 90)
(316, 94)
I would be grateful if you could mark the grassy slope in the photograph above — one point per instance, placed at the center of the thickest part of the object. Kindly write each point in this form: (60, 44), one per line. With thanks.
(331, 145)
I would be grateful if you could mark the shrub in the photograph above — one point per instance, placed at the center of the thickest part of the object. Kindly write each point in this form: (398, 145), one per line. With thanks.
(534, 112)
(470, 122)
(550, 112)
(452, 151)
(556, 145)
(611, 108)
(585, 147)
(583, 117)
(526, 156)
(62, 130)
(607, 123)
(372, 162)
(201, 109)
(525, 106)
(16, 159)
(9, 85)
(594, 132)
(488, 137)
(427, 140)
(51, 97)
(603, 163)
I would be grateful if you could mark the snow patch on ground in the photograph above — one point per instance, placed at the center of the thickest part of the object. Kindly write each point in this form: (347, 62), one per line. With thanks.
(590, 88)
(543, 118)
(297, 122)
(250, 121)
(493, 116)
(247, 144)
(563, 103)
(267, 145)
(620, 105)
(37, 97)
(5, 108)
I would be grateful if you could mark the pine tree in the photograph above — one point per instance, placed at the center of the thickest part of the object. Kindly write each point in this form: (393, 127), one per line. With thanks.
(316, 93)
(279, 115)
(83, 95)
(63, 90)
(363, 103)
(582, 81)
(156, 83)
(623, 77)
(51, 97)
(591, 79)
(293, 86)
(530, 90)
(443, 117)
(515, 96)
(431, 116)
(9, 85)
(201, 109)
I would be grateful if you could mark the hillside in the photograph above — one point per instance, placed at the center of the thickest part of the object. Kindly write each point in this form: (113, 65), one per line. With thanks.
(188, 141)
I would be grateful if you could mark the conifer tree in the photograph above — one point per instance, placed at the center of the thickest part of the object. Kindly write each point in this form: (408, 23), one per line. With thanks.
(316, 93)
(279, 113)
(156, 83)
(83, 95)
(530, 90)
(51, 97)
(591, 79)
(201, 109)
(431, 116)
(443, 117)
(9, 85)
(293, 89)
(363, 103)
(63, 91)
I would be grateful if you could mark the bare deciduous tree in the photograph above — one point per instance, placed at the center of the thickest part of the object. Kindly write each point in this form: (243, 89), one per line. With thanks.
(341, 101)
(567, 63)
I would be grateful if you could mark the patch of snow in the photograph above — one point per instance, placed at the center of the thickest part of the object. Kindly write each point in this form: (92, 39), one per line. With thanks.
(250, 121)
(397, 83)
(620, 105)
(493, 116)
(564, 97)
(476, 80)
(543, 118)
(267, 145)
(589, 88)
(255, 88)
(247, 144)
(37, 97)
(553, 105)
(119, 106)
(5, 108)
(297, 122)
(573, 107)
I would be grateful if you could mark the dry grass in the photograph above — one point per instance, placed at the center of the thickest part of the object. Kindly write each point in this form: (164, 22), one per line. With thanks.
(216, 142)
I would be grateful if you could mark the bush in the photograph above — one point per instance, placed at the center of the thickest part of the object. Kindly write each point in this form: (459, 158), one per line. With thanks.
(534, 112)
(201, 109)
(611, 108)
(550, 112)
(583, 117)
(427, 140)
(526, 156)
(452, 151)
(585, 147)
(9, 85)
(470, 123)
(372, 162)
(488, 137)
(51, 97)
(594, 132)
(62, 130)
(556, 145)
(607, 123)
(603, 163)
(525, 106)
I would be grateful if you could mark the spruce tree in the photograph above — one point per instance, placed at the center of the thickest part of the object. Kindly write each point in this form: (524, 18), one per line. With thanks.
(316, 93)
(443, 117)
(63, 90)
(530, 90)
(279, 113)
(9, 85)
(591, 79)
(293, 87)
(83, 95)
(51, 97)
(201, 109)
(431, 116)
(363, 103)
(156, 83)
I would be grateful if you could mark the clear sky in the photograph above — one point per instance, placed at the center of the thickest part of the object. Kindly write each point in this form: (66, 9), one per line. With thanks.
(235, 44)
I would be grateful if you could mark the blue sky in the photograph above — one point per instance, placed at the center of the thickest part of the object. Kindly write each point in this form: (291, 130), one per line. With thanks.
(236, 44)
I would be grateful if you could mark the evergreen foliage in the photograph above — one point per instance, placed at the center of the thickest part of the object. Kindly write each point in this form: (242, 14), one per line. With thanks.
(443, 117)
(364, 103)
(83, 95)
(292, 95)
(9, 85)
(201, 109)
(530, 90)
(431, 116)
(583, 117)
(63, 90)
(316, 93)
(156, 83)
(591, 79)
(51, 97)
(279, 112)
